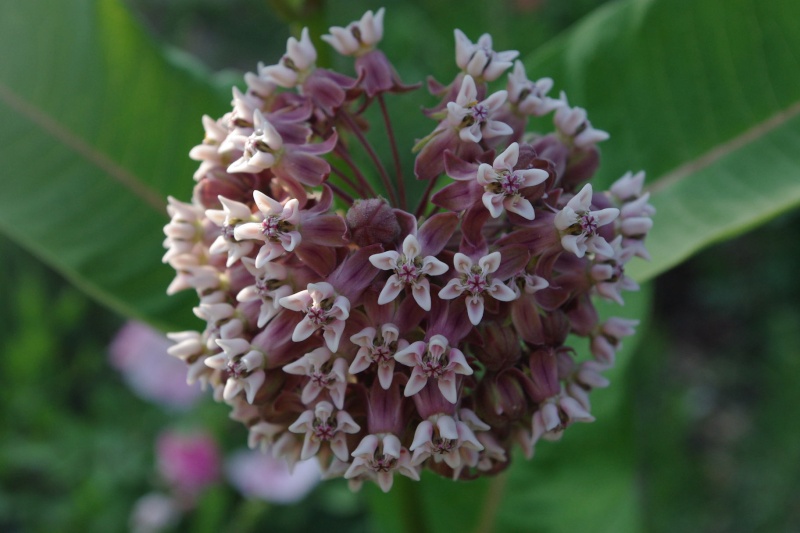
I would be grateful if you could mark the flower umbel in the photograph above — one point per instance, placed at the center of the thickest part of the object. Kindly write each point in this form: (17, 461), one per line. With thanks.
(378, 338)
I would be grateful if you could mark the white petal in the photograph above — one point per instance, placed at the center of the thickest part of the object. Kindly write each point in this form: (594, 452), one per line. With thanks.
(385, 260)
(452, 290)
(490, 263)
(421, 291)
(267, 205)
(475, 309)
(390, 291)
(411, 248)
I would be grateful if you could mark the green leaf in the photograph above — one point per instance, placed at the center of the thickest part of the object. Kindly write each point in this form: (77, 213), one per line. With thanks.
(704, 96)
(95, 126)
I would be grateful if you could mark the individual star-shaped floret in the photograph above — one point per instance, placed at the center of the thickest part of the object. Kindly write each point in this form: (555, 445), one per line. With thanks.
(321, 425)
(473, 119)
(503, 184)
(578, 225)
(434, 359)
(409, 269)
(277, 230)
(324, 310)
(476, 281)
(479, 60)
(378, 457)
(323, 374)
(357, 38)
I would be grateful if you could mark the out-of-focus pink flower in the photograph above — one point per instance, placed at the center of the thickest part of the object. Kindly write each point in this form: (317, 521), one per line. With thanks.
(259, 475)
(189, 462)
(139, 352)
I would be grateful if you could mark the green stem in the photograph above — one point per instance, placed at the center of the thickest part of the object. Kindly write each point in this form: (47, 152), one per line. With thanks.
(411, 506)
(492, 504)
(387, 183)
(398, 169)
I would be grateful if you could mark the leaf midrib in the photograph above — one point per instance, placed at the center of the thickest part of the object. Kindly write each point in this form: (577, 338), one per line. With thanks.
(719, 151)
(73, 142)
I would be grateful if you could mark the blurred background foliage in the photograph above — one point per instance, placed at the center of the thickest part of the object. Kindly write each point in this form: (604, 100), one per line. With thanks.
(697, 433)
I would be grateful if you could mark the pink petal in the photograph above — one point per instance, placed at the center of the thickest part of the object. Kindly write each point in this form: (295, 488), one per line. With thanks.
(367, 446)
(267, 205)
(490, 263)
(385, 480)
(452, 290)
(462, 263)
(339, 447)
(390, 291)
(458, 362)
(416, 383)
(494, 203)
(304, 330)
(475, 309)
(385, 260)
(502, 292)
(411, 355)
(447, 427)
(422, 435)
(385, 374)
(519, 205)
(310, 447)
(421, 290)
(447, 385)
(333, 334)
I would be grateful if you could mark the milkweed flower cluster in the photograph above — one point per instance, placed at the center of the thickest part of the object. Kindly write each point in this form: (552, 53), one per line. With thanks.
(343, 325)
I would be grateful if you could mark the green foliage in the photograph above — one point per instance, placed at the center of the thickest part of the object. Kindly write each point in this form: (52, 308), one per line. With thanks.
(96, 125)
(701, 95)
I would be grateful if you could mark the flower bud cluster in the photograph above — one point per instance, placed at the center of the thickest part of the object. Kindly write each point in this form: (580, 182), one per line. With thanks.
(341, 325)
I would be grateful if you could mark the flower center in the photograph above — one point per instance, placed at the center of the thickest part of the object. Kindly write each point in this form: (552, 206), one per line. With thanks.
(227, 233)
(322, 430)
(407, 272)
(320, 378)
(510, 184)
(480, 113)
(588, 223)
(441, 445)
(318, 316)
(271, 227)
(475, 283)
(236, 369)
(381, 354)
(382, 462)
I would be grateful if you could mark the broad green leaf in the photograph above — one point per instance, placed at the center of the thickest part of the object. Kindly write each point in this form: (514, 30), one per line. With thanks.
(704, 96)
(95, 126)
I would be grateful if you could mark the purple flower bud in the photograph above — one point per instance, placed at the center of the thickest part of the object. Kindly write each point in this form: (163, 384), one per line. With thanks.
(372, 221)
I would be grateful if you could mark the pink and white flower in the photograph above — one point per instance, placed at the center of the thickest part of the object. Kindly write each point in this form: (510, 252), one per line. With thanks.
(503, 184)
(277, 230)
(476, 281)
(442, 437)
(378, 457)
(324, 309)
(323, 374)
(579, 225)
(321, 425)
(377, 347)
(269, 287)
(479, 60)
(434, 359)
(357, 38)
(473, 119)
(410, 269)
